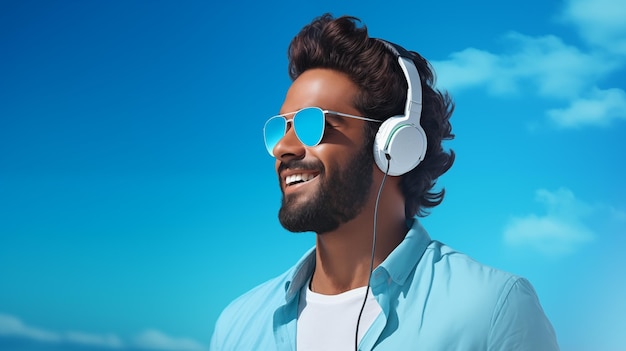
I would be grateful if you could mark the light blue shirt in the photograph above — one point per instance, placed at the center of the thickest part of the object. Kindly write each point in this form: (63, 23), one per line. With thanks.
(432, 298)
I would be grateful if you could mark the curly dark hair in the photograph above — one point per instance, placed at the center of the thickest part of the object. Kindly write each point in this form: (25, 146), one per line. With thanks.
(343, 44)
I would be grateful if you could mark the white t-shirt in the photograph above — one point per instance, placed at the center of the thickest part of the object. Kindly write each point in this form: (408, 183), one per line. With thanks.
(328, 322)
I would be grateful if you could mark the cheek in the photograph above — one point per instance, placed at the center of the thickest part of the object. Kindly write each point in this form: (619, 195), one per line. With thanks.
(332, 155)
(341, 159)
(340, 142)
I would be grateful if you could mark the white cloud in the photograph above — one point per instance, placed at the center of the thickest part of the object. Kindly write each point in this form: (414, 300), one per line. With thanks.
(151, 339)
(601, 23)
(546, 234)
(555, 69)
(11, 326)
(542, 65)
(600, 108)
(109, 340)
(560, 231)
(466, 68)
(551, 69)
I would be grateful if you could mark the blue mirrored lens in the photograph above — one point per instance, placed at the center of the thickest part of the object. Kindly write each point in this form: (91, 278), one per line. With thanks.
(273, 131)
(309, 125)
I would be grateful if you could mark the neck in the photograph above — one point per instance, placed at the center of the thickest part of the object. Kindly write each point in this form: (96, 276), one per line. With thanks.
(344, 256)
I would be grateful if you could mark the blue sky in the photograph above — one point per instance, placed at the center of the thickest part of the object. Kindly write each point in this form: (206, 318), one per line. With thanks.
(137, 199)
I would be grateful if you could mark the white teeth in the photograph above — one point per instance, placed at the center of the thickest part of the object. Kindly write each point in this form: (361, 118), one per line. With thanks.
(298, 178)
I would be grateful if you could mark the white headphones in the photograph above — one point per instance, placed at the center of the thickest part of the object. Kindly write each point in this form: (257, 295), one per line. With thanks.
(400, 143)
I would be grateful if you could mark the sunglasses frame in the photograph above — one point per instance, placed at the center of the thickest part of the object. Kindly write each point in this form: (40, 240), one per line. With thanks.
(291, 120)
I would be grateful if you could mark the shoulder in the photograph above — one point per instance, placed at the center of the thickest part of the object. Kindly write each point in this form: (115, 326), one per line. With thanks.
(502, 304)
(475, 281)
(247, 315)
(460, 270)
(266, 296)
(247, 322)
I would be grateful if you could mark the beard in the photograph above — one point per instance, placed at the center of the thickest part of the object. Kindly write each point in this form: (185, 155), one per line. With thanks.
(340, 198)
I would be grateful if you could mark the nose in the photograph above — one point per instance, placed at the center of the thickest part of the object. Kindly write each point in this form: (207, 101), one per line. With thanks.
(289, 146)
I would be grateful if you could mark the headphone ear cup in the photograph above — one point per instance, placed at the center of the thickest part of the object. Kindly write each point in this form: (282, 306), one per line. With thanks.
(404, 143)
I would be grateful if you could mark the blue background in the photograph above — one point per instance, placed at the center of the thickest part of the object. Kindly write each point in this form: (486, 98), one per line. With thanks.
(137, 199)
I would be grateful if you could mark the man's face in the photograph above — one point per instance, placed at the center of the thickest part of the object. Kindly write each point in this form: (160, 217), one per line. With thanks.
(328, 184)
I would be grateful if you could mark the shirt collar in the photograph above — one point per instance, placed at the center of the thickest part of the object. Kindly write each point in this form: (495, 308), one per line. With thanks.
(398, 264)
(301, 274)
(408, 253)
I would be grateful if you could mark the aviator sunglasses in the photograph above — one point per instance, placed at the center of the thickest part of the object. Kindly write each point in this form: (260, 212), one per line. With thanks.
(308, 124)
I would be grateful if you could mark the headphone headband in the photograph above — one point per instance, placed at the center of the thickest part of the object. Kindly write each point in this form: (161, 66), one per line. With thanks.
(413, 107)
(400, 143)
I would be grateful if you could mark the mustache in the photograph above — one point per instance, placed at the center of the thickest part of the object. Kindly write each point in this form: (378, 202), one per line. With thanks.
(301, 165)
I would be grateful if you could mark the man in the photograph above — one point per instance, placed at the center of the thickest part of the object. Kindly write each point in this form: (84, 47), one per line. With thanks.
(358, 150)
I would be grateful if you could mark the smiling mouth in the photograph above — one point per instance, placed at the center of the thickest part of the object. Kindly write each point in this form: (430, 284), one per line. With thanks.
(299, 178)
